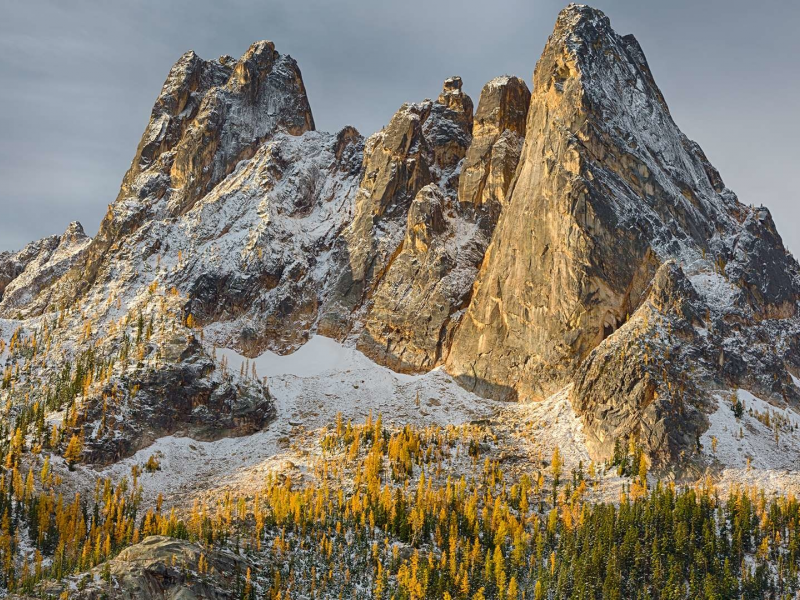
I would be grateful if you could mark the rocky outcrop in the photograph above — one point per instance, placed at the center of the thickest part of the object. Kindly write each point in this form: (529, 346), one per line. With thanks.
(761, 267)
(257, 248)
(263, 94)
(635, 385)
(420, 298)
(160, 568)
(410, 319)
(186, 394)
(422, 144)
(27, 276)
(492, 158)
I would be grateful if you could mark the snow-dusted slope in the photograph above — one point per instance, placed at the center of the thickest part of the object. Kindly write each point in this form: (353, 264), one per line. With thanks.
(251, 257)
(764, 437)
(761, 447)
(310, 388)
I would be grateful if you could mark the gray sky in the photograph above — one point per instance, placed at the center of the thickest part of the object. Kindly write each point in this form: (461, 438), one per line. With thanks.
(78, 80)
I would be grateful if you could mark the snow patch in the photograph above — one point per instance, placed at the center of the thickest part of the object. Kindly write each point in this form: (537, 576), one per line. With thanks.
(309, 387)
(554, 423)
(317, 356)
(719, 293)
(324, 377)
(765, 434)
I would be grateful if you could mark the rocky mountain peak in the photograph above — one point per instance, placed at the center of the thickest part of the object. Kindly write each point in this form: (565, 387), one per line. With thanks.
(74, 233)
(608, 190)
(456, 100)
(28, 277)
(577, 22)
(209, 116)
(264, 93)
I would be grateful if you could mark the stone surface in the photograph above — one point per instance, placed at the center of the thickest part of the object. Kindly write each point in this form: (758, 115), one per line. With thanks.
(158, 568)
(186, 395)
(420, 299)
(258, 247)
(498, 133)
(634, 384)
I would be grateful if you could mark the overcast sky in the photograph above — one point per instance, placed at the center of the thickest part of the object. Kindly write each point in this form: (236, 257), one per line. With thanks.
(78, 80)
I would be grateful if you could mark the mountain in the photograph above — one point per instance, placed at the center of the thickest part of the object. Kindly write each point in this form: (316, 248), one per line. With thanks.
(564, 254)
(571, 236)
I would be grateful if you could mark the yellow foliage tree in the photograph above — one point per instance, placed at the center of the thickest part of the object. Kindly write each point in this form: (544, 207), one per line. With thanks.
(74, 451)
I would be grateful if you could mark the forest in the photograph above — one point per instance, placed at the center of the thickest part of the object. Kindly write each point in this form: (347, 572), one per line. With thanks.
(410, 512)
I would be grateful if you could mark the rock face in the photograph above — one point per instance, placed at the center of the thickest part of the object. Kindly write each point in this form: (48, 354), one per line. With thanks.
(634, 382)
(585, 208)
(491, 161)
(410, 318)
(607, 191)
(258, 246)
(398, 162)
(186, 396)
(412, 289)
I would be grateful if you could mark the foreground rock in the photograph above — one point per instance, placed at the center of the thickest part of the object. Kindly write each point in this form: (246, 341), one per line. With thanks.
(159, 568)
(186, 395)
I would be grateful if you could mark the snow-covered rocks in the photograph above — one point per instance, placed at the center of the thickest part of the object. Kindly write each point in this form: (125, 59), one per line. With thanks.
(27, 276)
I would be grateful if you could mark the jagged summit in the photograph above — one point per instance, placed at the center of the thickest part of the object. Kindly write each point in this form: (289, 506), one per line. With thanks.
(412, 252)
(608, 190)
(209, 116)
(456, 100)
(232, 106)
(575, 20)
(27, 277)
(73, 233)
